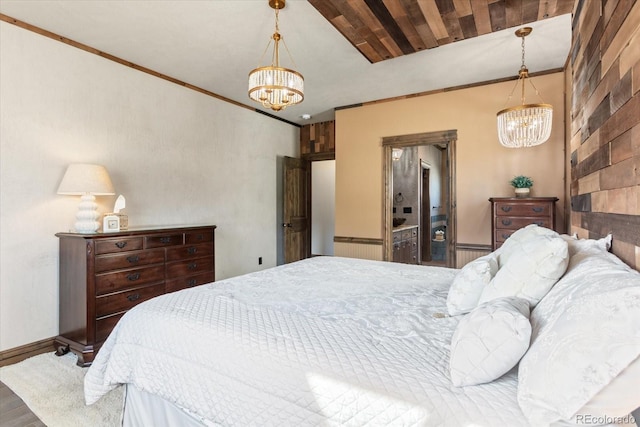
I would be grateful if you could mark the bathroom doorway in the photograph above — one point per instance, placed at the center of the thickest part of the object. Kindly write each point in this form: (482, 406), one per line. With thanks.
(432, 204)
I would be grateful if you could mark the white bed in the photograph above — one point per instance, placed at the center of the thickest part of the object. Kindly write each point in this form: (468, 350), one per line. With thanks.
(324, 341)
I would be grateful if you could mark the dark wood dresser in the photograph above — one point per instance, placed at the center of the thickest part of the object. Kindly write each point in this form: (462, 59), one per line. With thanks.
(103, 275)
(512, 213)
(405, 244)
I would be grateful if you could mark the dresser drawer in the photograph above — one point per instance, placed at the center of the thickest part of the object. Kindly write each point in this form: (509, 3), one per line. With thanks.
(515, 223)
(122, 301)
(502, 235)
(198, 237)
(110, 246)
(190, 251)
(160, 241)
(523, 209)
(105, 325)
(188, 282)
(112, 282)
(189, 267)
(128, 260)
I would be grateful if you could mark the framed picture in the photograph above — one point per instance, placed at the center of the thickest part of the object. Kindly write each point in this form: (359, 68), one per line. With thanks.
(110, 223)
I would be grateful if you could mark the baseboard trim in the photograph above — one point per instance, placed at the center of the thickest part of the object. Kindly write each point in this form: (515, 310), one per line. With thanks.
(472, 247)
(357, 240)
(18, 354)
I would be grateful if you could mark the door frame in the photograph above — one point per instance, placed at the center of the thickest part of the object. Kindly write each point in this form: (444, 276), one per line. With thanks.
(447, 138)
(425, 212)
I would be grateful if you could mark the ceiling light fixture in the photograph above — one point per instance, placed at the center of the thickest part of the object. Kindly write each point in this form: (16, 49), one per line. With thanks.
(273, 86)
(525, 125)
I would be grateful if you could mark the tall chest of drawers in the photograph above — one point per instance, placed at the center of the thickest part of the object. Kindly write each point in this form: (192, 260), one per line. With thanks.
(105, 274)
(512, 213)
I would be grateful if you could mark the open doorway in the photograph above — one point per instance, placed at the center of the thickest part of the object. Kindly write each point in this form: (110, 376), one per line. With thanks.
(430, 162)
(425, 216)
(323, 206)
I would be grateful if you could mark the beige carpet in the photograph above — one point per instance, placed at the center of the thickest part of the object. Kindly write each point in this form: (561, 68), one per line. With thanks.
(52, 387)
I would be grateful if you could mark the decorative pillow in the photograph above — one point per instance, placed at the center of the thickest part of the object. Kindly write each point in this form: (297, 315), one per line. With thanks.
(618, 399)
(585, 334)
(534, 266)
(576, 245)
(489, 341)
(515, 241)
(469, 283)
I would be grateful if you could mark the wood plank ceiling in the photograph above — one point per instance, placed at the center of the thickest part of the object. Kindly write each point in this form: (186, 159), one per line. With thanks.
(385, 29)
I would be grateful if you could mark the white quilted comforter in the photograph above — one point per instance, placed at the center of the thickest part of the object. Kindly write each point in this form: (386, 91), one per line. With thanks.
(324, 341)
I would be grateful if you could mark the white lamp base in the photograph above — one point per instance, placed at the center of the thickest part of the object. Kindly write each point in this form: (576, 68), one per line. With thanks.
(87, 216)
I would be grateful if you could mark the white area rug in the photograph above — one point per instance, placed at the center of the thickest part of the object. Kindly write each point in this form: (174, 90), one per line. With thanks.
(52, 387)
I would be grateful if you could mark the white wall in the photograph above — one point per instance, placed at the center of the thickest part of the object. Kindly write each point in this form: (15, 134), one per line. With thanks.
(178, 156)
(323, 206)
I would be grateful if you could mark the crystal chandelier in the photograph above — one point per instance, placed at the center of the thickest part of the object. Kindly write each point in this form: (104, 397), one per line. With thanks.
(273, 86)
(525, 125)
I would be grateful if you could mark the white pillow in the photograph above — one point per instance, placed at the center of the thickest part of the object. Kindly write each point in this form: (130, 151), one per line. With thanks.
(469, 283)
(618, 399)
(489, 341)
(513, 243)
(534, 266)
(576, 245)
(585, 334)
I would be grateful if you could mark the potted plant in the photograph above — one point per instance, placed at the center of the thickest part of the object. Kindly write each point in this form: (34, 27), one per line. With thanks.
(522, 184)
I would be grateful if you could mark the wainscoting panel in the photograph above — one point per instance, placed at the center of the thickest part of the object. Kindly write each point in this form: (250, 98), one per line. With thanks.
(466, 253)
(351, 247)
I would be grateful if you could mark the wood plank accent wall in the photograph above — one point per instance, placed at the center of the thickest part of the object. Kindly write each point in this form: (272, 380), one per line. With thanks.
(387, 29)
(605, 128)
(318, 138)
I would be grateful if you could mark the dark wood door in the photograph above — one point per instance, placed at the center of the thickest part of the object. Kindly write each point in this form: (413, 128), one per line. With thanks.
(297, 209)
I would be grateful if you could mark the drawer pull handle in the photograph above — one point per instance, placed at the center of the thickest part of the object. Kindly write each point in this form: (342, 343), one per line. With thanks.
(538, 209)
(192, 266)
(539, 223)
(121, 244)
(506, 208)
(133, 297)
(165, 239)
(506, 236)
(133, 277)
(192, 250)
(506, 222)
(200, 237)
(191, 282)
(133, 259)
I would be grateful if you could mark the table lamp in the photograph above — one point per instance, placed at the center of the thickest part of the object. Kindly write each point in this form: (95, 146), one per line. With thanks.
(88, 181)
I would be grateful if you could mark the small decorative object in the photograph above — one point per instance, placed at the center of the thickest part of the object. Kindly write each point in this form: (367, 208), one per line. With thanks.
(124, 218)
(108, 226)
(88, 181)
(110, 223)
(522, 184)
(439, 235)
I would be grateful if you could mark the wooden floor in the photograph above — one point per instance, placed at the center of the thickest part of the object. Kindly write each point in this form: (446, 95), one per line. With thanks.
(13, 411)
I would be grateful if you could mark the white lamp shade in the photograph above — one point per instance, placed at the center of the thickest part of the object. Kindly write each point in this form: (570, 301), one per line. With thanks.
(83, 178)
(87, 181)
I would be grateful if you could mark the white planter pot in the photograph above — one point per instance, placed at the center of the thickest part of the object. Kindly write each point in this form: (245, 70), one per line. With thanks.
(522, 192)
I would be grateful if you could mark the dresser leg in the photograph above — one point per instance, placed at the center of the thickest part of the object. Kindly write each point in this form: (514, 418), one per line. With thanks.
(62, 350)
